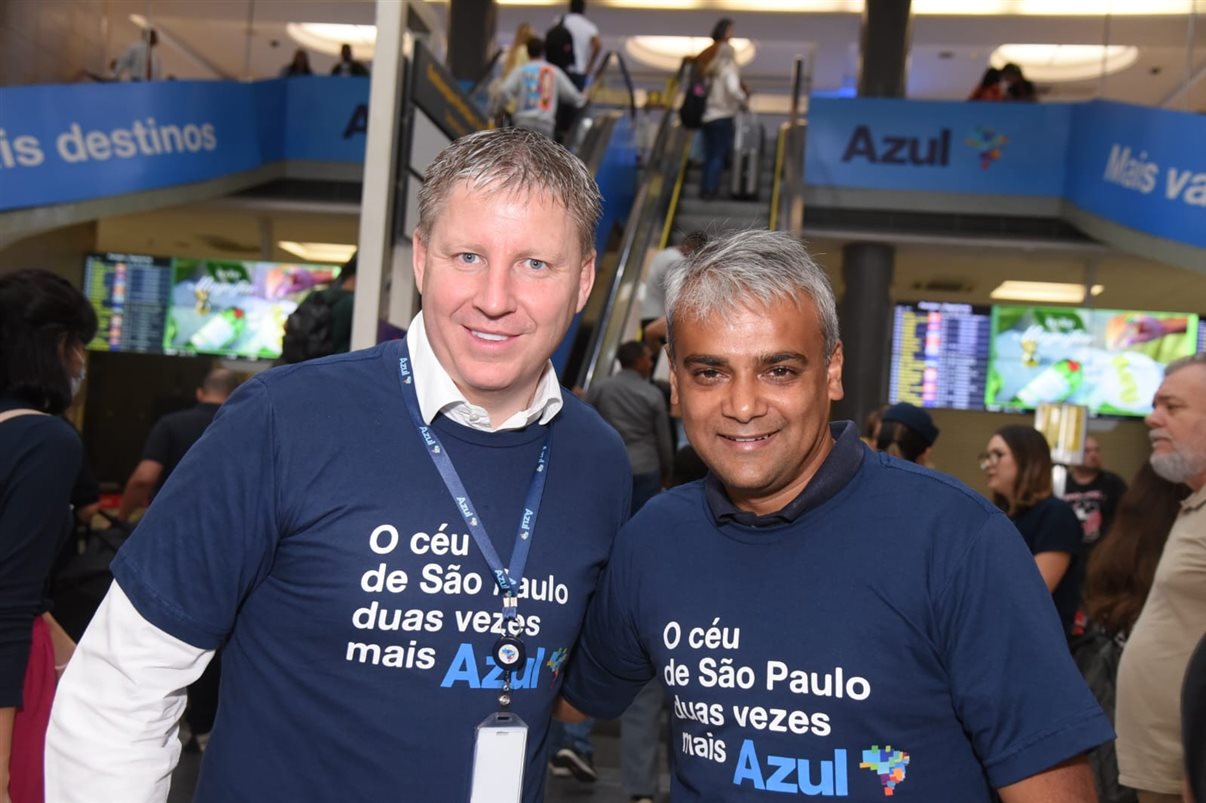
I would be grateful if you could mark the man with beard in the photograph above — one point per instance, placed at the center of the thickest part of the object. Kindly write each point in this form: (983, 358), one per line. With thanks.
(1174, 617)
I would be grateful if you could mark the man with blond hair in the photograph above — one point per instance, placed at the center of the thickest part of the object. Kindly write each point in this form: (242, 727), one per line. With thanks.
(393, 547)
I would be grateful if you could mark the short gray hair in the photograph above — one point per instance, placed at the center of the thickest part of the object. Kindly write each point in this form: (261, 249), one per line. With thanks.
(1185, 362)
(759, 267)
(513, 160)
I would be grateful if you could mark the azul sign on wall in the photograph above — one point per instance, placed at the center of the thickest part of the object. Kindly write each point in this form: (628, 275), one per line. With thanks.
(1140, 168)
(68, 143)
(932, 146)
(1143, 168)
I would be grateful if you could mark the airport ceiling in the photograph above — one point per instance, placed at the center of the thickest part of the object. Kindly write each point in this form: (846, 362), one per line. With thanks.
(947, 56)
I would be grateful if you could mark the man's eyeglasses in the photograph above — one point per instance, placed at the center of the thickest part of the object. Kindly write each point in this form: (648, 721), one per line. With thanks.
(991, 458)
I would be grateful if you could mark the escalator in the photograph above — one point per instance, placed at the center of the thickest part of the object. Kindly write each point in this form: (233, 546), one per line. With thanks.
(666, 206)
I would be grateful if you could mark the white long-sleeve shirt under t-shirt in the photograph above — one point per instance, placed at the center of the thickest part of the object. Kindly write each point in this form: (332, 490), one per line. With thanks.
(114, 728)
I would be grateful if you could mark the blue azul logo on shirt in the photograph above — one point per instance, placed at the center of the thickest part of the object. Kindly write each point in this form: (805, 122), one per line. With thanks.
(404, 367)
(790, 774)
(430, 440)
(486, 674)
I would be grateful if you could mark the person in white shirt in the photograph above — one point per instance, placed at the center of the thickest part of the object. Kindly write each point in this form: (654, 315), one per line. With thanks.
(340, 528)
(587, 44)
(536, 89)
(726, 97)
(140, 62)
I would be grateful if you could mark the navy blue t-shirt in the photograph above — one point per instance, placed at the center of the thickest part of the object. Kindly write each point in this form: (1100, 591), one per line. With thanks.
(893, 638)
(1052, 526)
(309, 531)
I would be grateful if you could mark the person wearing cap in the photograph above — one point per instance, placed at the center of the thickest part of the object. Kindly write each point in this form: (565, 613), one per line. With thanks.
(907, 431)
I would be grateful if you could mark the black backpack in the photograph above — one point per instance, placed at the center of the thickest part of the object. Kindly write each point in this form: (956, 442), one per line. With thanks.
(310, 330)
(559, 47)
(695, 101)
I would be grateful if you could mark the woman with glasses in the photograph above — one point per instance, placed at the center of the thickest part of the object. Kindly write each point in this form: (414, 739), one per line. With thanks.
(1018, 468)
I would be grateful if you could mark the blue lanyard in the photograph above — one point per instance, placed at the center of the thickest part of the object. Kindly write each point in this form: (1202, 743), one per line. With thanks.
(507, 578)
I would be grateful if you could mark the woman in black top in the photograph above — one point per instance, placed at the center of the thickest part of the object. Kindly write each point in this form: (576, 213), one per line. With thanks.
(44, 324)
(1018, 468)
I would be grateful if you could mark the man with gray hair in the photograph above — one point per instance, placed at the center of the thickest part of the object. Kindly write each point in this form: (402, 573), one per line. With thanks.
(340, 532)
(1174, 615)
(826, 620)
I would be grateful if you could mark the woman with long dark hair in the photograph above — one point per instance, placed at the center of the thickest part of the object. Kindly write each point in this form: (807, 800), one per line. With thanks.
(1118, 577)
(1018, 467)
(44, 324)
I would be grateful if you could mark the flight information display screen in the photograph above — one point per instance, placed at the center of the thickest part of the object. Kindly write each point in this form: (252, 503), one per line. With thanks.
(130, 294)
(940, 355)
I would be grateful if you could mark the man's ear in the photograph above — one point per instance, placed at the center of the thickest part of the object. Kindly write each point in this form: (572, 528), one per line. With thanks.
(418, 258)
(586, 280)
(834, 374)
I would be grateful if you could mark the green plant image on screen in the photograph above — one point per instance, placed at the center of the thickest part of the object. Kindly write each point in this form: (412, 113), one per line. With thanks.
(1111, 361)
(235, 308)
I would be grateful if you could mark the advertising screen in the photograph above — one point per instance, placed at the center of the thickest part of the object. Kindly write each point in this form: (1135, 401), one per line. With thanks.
(235, 308)
(1111, 361)
(940, 355)
(219, 307)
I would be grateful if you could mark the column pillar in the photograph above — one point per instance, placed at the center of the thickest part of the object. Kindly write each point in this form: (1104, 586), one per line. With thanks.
(867, 268)
(471, 26)
(377, 196)
(866, 318)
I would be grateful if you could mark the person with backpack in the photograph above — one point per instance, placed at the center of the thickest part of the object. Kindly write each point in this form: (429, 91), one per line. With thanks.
(726, 97)
(322, 324)
(572, 44)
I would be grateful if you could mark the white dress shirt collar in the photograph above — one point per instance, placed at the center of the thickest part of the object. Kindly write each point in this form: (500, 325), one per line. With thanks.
(439, 394)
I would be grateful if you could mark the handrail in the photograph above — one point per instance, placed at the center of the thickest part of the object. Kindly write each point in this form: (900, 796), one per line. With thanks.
(596, 82)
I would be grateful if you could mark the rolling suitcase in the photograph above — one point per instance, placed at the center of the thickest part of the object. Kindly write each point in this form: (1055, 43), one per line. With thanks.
(744, 178)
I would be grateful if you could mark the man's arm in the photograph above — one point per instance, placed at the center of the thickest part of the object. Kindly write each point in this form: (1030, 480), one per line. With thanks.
(113, 728)
(596, 45)
(1067, 782)
(566, 91)
(139, 487)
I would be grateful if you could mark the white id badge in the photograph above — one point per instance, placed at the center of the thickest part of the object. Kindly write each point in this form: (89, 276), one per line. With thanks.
(498, 759)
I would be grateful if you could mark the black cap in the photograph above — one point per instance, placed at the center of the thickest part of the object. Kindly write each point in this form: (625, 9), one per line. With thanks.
(915, 419)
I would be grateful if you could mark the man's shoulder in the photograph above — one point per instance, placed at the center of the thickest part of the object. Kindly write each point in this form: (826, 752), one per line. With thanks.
(580, 23)
(582, 422)
(920, 485)
(325, 387)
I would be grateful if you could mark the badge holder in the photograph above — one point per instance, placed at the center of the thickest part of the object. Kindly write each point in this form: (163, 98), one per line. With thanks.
(501, 739)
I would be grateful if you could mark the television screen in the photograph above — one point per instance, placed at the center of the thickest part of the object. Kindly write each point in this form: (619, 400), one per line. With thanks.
(940, 355)
(235, 308)
(129, 293)
(1111, 361)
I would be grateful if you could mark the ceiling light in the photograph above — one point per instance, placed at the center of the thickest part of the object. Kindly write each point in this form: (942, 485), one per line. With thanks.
(668, 52)
(1049, 63)
(1044, 292)
(322, 253)
(329, 37)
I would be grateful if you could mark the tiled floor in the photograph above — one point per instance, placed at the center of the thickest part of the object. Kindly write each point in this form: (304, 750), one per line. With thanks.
(558, 790)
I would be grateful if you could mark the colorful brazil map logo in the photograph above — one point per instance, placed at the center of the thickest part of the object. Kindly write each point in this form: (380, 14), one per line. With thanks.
(988, 144)
(888, 764)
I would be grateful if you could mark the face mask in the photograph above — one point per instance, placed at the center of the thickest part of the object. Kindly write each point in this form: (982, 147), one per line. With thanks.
(77, 381)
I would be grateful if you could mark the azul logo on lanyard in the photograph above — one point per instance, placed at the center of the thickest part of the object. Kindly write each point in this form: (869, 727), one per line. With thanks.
(507, 578)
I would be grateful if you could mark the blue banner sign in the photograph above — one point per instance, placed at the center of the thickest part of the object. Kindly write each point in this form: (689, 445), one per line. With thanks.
(932, 146)
(1142, 168)
(1136, 167)
(67, 143)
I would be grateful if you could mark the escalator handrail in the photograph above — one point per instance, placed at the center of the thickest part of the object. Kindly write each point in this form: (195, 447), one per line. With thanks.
(609, 57)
